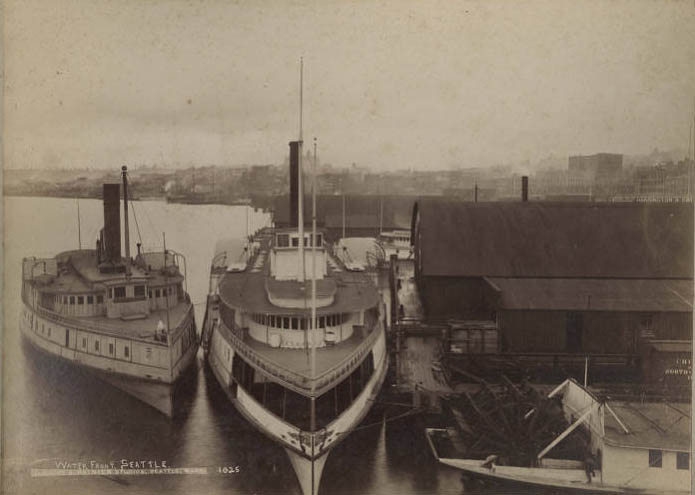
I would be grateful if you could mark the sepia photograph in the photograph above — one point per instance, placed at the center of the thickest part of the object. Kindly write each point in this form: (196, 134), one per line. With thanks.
(347, 247)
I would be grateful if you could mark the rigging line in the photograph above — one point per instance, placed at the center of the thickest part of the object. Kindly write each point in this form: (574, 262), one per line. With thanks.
(137, 226)
(132, 202)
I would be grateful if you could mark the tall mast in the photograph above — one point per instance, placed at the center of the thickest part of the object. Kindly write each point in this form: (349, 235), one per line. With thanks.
(126, 237)
(313, 311)
(313, 282)
(300, 186)
(166, 278)
(79, 227)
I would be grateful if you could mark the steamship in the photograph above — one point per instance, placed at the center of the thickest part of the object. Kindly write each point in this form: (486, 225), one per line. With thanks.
(295, 337)
(129, 321)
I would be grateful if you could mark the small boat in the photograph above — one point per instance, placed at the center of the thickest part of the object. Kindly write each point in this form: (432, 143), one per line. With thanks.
(129, 321)
(631, 447)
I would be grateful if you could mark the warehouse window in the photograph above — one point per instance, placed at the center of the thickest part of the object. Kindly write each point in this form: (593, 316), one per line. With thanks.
(682, 460)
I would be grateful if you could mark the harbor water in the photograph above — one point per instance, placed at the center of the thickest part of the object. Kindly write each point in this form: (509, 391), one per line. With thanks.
(54, 413)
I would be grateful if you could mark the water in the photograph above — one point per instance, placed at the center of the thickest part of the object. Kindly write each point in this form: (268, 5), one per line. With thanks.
(53, 412)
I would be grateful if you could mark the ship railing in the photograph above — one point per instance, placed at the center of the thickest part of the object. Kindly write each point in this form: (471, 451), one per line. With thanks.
(91, 326)
(296, 381)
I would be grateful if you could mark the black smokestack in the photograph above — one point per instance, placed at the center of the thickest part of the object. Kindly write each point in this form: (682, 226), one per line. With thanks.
(294, 183)
(524, 188)
(112, 223)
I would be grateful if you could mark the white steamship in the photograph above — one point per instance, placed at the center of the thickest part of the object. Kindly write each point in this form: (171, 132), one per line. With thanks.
(295, 337)
(128, 320)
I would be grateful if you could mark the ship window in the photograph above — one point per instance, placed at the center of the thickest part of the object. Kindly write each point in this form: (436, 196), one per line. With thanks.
(285, 322)
(110, 348)
(156, 293)
(148, 352)
(96, 345)
(80, 299)
(170, 289)
(110, 293)
(302, 323)
(654, 458)
(319, 240)
(65, 299)
(119, 292)
(90, 299)
(100, 299)
(322, 321)
(294, 324)
(139, 291)
(682, 460)
(72, 299)
(84, 342)
(126, 351)
(283, 240)
(149, 292)
(295, 241)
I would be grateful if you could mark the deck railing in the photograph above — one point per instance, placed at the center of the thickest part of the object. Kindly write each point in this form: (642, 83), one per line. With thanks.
(296, 381)
(91, 325)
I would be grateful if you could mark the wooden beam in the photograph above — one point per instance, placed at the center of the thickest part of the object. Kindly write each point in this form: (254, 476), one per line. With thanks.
(615, 416)
(558, 388)
(569, 430)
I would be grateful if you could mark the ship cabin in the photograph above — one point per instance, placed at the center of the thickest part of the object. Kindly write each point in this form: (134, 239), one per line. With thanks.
(637, 444)
(265, 314)
(98, 289)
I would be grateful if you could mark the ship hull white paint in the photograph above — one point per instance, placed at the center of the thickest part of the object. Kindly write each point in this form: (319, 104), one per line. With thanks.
(308, 471)
(568, 480)
(287, 435)
(127, 377)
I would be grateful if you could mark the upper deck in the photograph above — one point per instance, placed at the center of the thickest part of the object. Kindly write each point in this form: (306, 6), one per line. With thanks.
(254, 290)
(142, 304)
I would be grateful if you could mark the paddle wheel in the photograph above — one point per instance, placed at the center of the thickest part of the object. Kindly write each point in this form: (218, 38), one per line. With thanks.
(512, 422)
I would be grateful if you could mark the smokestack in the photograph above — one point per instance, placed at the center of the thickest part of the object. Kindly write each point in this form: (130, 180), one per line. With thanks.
(112, 223)
(524, 188)
(294, 183)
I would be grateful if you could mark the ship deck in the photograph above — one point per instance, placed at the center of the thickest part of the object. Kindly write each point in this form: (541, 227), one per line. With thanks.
(353, 290)
(298, 360)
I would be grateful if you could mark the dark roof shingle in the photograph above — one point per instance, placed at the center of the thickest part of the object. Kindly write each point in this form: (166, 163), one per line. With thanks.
(566, 240)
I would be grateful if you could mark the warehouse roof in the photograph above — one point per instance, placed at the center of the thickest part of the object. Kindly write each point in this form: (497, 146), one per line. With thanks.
(565, 240)
(595, 294)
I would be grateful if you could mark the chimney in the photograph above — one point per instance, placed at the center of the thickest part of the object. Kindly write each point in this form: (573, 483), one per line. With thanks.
(294, 183)
(524, 188)
(112, 223)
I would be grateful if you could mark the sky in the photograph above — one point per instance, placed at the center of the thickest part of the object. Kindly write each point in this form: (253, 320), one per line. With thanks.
(387, 84)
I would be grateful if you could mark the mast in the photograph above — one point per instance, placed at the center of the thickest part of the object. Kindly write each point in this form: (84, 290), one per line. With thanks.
(300, 185)
(313, 312)
(79, 227)
(166, 279)
(124, 170)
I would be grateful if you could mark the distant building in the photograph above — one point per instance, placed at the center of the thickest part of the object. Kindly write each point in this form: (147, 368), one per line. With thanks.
(561, 277)
(600, 165)
(365, 215)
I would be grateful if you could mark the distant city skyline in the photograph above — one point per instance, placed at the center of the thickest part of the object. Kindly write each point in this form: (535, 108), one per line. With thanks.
(388, 85)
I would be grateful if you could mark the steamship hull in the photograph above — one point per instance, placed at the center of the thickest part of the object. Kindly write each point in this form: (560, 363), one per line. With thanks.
(153, 386)
(307, 452)
(106, 313)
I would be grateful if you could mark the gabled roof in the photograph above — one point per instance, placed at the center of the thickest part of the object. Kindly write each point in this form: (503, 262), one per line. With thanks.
(565, 240)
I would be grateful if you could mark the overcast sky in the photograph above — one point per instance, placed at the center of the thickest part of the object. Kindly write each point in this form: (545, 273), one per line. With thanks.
(387, 84)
